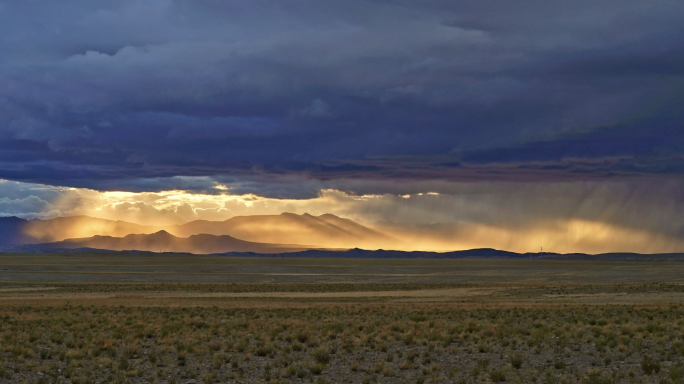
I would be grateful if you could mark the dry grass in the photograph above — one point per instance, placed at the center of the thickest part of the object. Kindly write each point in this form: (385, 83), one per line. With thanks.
(345, 342)
(407, 331)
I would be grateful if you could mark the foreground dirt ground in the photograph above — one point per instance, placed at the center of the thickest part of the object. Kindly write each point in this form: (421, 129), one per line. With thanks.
(615, 323)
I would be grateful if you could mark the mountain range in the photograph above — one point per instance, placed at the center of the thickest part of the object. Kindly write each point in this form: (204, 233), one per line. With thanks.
(163, 241)
(260, 233)
(287, 234)
(477, 253)
(328, 230)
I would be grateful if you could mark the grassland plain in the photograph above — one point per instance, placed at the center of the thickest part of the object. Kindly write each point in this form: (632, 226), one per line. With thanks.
(347, 321)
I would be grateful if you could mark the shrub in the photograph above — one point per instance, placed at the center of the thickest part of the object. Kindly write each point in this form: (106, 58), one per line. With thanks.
(209, 378)
(317, 368)
(302, 337)
(517, 360)
(242, 346)
(497, 376)
(4, 374)
(650, 365)
(290, 371)
(263, 350)
(123, 364)
(322, 356)
(597, 377)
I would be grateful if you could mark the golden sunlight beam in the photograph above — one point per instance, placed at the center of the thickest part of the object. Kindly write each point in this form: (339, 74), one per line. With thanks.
(441, 222)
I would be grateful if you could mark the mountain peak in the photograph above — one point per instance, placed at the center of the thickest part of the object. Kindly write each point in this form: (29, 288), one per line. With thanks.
(325, 230)
(328, 215)
(163, 233)
(163, 241)
(156, 235)
(12, 219)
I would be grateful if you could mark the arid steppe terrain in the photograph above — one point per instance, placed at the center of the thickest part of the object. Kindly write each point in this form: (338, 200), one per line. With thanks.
(113, 318)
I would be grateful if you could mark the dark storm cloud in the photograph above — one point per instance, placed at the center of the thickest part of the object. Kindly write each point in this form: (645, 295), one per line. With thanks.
(161, 94)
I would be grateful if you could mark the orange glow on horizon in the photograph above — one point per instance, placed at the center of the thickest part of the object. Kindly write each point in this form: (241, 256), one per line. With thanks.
(152, 211)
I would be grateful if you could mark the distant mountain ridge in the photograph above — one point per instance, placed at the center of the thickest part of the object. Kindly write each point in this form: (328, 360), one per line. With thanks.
(12, 231)
(324, 231)
(480, 253)
(163, 241)
(477, 253)
(286, 235)
(62, 228)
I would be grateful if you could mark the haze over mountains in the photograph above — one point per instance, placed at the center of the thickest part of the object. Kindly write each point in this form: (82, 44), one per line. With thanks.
(324, 230)
(163, 241)
(62, 228)
(286, 232)
(287, 235)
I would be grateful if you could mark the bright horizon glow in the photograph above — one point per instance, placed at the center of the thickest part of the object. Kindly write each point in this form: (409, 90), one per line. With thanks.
(161, 209)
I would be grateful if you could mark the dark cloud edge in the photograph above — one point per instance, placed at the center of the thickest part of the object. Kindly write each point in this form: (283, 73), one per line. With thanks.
(636, 149)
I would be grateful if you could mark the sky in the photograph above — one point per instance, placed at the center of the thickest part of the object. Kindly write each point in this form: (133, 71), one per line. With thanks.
(492, 122)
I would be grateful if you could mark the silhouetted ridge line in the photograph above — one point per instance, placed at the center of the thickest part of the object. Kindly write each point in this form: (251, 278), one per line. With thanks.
(162, 241)
(481, 253)
(324, 231)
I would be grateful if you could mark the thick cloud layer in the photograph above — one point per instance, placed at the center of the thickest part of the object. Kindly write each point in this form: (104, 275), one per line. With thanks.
(259, 96)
